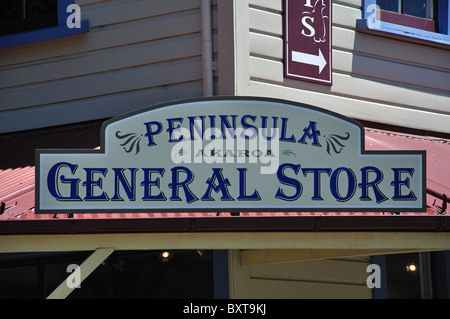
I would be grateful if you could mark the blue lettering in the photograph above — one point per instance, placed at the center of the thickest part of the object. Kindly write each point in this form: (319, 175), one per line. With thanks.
(147, 183)
(193, 124)
(316, 172)
(130, 188)
(222, 185)
(243, 186)
(212, 125)
(264, 127)
(398, 183)
(52, 181)
(246, 126)
(283, 138)
(90, 184)
(351, 184)
(365, 184)
(224, 123)
(176, 184)
(288, 181)
(150, 132)
(171, 128)
(312, 133)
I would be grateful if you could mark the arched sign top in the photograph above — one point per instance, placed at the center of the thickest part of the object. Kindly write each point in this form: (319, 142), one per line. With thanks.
(230, 154)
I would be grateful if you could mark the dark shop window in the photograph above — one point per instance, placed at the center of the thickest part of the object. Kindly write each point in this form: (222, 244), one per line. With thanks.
(26, 15)
(183, 274)
(403, 276)
(415, 276)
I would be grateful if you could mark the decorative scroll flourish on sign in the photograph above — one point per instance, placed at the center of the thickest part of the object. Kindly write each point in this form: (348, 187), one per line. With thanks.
(131, 141)
(334, 141)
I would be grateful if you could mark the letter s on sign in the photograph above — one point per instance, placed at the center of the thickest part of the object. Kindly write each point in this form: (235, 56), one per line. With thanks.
(312, 32)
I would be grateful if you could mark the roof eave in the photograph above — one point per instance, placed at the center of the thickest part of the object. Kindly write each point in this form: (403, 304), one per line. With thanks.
(321, 223)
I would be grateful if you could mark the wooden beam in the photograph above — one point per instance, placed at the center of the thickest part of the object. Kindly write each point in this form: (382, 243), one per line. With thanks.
(86, 268)
(227, 240)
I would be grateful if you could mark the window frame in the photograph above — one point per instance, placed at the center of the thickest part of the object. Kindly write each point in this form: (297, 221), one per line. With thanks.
(53, 32)
(401, 8)
(371, 21)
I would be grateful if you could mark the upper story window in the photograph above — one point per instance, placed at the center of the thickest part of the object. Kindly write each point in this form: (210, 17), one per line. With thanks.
(23, 15)
(416, 8)
(419, 19)
(411, 13)
(27, 21)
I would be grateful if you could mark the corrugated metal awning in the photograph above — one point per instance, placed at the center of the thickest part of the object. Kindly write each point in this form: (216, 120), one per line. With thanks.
(17, 190)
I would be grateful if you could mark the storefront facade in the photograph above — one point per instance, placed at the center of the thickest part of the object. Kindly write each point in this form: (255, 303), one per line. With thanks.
(126, 56)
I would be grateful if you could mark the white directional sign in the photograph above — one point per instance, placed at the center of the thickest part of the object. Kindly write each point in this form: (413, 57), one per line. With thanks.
(307, 25)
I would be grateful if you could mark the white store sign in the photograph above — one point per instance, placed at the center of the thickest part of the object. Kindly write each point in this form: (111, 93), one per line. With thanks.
(230, 154)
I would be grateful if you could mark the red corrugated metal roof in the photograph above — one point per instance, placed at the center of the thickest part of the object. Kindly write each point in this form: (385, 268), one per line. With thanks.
(17, 170)
(438, 154)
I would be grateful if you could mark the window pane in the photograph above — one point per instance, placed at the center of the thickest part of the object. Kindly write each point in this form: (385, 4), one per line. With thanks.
(389, 5)
(10, 10)
(37, 14)
(20, 283)
(418, 8)
(41, 7)
(403, 281)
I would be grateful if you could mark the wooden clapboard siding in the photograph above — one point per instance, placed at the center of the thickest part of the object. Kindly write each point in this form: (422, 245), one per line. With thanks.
(402, 95)
(104, 37)
(282, 289)
(109, 82)
(98, 107)
(336, 278)
(270, 48)
(136, 53)
(374, 78)
(99, 61)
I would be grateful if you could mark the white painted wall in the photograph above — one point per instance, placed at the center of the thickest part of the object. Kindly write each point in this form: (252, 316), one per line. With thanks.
(137, 53)
(374, 78)
(312, 279)
(143, 52)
